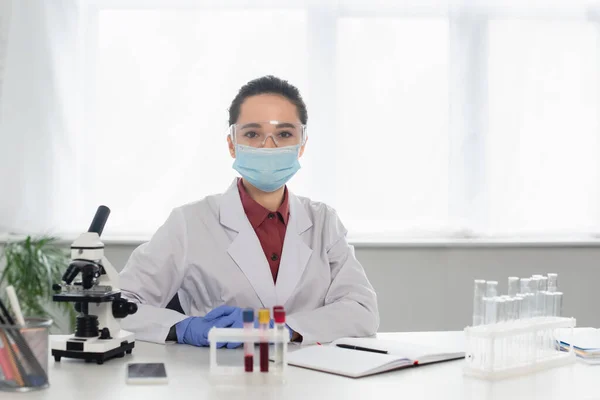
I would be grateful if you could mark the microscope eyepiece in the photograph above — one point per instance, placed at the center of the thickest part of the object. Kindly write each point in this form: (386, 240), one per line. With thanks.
(99, 220)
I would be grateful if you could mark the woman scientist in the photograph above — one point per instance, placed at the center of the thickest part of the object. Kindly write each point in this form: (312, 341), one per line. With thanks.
(257, 245)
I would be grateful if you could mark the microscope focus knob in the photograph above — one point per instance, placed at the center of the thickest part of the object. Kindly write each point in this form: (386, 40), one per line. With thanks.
(132, 308)
(105, 333)
(56, 287)
(122, 308)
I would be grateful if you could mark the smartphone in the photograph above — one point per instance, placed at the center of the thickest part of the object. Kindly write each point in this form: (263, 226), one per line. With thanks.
(146, 373)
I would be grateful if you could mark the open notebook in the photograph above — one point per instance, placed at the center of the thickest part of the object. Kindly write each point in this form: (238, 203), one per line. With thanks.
(586, 343)
(358, 357)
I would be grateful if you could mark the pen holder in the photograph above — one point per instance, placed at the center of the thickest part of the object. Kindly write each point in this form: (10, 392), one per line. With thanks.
(24, 355)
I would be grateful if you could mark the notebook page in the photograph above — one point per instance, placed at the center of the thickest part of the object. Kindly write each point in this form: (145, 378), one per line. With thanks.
(415, 352)
(353, 363)
(584, 338)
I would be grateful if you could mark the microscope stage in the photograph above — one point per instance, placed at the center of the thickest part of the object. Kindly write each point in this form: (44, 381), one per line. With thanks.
(87, 296)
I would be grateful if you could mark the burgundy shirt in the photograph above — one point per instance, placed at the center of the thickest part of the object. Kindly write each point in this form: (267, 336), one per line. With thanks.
(269, 226)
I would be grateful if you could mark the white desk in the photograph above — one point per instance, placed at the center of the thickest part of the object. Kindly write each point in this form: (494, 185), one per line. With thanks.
(187, 368)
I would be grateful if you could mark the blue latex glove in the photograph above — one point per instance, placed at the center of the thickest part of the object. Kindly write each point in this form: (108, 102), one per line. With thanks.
(194, 330)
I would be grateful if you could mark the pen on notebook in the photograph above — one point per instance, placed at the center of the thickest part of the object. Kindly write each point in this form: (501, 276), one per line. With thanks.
(347, 346)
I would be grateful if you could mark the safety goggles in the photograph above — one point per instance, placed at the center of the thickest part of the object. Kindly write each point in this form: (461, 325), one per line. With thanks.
(256, 134)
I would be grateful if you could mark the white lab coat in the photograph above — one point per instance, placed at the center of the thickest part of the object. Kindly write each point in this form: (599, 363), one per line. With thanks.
(209, 254)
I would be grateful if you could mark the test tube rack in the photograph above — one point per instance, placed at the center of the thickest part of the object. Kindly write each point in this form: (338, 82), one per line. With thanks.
(241, 335)
(520, 347)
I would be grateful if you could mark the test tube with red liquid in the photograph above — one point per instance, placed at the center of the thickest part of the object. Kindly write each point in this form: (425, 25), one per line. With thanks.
(248, 318)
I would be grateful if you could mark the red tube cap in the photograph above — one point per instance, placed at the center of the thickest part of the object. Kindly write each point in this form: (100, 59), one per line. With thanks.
(279, 315)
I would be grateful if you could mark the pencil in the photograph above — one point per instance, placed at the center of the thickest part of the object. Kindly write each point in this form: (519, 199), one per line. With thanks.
(13, 301)
(16, 367)
(5, 365)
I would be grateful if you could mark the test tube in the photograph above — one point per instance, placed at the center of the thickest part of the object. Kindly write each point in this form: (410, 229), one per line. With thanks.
(509, 307)
(518, 307)
(523, 306)
(532, 304)
(527, 304)
(543, 283)
(280, 329)
(525, 285)
(549, 304)
(501, 317)
(248, 319)
(491, 310)
(534, 287)
(491, 289)
(263, 325)
(513, 286)
(478, 306)
(541, 295)
(552, 282)
(558, 297)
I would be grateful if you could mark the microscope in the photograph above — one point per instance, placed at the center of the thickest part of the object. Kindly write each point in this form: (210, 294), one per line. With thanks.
(97, 297)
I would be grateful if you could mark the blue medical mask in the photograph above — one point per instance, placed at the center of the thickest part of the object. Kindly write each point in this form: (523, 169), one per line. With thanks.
(266, 169)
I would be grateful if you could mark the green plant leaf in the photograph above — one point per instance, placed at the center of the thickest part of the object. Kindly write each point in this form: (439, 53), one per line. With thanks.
(32, 266)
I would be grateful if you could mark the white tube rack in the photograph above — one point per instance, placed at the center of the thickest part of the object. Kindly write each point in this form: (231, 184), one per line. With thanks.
(272, 336)
(520, 347)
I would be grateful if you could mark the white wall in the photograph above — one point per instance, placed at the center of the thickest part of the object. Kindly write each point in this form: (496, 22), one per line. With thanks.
(430, 288)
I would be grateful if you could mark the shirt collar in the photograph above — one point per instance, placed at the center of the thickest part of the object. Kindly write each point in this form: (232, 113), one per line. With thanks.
(256, 213)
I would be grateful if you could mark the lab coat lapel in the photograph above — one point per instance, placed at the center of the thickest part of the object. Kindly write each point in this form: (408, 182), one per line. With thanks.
(296, 253)
(245, 249)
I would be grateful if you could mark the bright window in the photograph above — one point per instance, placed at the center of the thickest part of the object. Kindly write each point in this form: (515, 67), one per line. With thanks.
(392, 124)
(426, 118)
(164, 80)
(544, 137)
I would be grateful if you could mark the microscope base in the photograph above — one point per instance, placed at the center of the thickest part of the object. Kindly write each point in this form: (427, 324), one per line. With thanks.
(93, 349)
